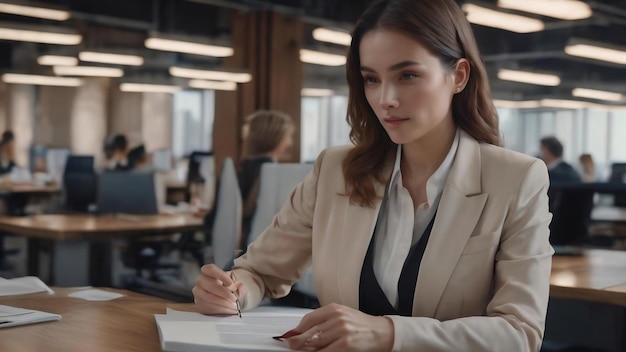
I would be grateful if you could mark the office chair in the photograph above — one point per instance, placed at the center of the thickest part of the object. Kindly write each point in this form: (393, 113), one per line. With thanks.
(226, 230)
(79, 182)
(618, 175)
(276, 185)
(571, 207)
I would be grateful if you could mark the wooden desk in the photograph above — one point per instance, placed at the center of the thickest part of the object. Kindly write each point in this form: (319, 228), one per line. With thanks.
(72, 240)
(90, 227)
(598, 276)
(30, 188)
(123, 324)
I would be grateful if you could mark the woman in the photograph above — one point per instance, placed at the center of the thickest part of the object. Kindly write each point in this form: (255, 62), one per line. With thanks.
(425, 236)
(588, 170)
(268, 137)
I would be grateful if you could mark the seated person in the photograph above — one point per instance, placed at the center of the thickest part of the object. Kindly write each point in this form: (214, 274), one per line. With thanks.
(7, 153)
(116, 151)
(559, 171)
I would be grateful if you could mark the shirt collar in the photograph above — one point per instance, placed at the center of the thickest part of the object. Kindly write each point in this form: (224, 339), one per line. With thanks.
(436, 181)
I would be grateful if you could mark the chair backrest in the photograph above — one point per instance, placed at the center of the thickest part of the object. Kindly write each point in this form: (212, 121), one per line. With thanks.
(79, 181)
(571, 213)
(618, 175)
(227, 225)
(79, 164)
(277, 181)
(127, 192)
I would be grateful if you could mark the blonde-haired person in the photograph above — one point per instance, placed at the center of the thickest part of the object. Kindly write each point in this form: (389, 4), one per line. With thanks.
(425, 235)
(267, 137)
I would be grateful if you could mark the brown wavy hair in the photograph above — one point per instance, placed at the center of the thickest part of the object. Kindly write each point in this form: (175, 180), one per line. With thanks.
(440, 25)
(263, 131)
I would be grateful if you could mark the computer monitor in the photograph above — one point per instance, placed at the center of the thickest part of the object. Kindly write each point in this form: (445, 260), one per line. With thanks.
(127, 193)
(162, 160)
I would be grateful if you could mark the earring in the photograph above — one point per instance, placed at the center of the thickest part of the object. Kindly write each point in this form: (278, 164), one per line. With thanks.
(458, 90)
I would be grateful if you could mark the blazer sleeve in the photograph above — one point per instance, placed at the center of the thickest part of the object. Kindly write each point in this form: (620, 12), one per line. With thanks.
(281, 254)
(515, 316)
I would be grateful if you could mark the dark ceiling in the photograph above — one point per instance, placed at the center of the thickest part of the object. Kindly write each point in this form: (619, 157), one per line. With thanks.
(124, 24)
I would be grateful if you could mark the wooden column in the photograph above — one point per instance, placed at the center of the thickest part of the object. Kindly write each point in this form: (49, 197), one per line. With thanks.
(268, 45)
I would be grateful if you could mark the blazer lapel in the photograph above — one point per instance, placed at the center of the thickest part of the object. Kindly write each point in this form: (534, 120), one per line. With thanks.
(460, 208)
(355, 240)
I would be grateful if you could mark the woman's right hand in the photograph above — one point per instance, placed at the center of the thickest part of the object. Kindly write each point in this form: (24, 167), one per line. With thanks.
(215, 292)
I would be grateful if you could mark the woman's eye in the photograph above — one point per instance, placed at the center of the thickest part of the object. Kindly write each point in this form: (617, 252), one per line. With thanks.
(369, 80)
(407, 76)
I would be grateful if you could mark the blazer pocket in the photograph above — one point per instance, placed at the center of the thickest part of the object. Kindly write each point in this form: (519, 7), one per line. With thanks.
(481, 242)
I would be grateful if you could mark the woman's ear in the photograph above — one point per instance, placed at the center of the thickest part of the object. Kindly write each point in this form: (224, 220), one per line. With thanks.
(461, 74)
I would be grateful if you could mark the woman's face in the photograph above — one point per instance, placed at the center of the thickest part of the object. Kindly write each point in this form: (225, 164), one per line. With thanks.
(405, 85)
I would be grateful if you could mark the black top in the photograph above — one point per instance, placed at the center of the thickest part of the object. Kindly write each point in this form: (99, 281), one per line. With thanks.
(249, 178)
(6, 169)
(372, 298)
(563, 173)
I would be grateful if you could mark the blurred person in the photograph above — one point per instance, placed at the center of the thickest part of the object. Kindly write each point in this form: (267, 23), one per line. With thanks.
(551, 152)
(117, 153)
(588, 170)
(425, 235)
(139, 160)
(7, 152)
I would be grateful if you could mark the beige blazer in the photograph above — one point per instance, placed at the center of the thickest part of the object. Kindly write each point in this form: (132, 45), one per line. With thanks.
(483, 283)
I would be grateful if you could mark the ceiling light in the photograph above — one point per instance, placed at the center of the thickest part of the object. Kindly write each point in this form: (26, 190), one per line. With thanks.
(600, 52)
(31, 11)
(215, 85)
(41, 80)
(113, 59)
(491, 18)
(512, 104)
(210, 74)
(316, 92)
(541, 79)
(88, 71)
(56, 60)
(320, 58)
(148, 88)
(562, 9)
(597, 94)
(330, 36)
(37, 36)
(186, 47)
(565, 104)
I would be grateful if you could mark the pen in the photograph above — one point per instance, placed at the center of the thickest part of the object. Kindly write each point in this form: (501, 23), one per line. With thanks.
(232, 277)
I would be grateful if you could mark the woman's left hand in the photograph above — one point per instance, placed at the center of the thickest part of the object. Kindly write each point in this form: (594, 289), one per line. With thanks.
(338, 328)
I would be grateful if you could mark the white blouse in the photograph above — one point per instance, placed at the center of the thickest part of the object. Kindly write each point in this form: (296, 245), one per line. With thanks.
(399, 227)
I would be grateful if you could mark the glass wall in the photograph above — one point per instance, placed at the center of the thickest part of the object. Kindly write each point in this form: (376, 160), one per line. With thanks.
(323, 121)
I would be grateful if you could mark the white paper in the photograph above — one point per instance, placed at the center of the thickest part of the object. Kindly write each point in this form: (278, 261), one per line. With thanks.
(23, 285)
(190, 332)
(11, 316)
(95, 294)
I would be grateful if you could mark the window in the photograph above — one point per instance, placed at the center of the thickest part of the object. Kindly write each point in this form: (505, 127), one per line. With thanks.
(323, 121)
(192, 121)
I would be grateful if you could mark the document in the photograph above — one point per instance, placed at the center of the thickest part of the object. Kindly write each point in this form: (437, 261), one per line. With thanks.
(23, 285)
(191, 332)
(94, 294)
(11, 316)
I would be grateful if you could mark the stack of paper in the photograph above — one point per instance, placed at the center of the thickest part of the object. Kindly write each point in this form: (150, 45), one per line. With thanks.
(191, 332)
(22, 285)
(11, 316)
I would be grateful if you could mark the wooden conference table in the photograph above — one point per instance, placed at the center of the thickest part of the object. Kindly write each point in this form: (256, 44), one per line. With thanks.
(70, 239)
(123, 324)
